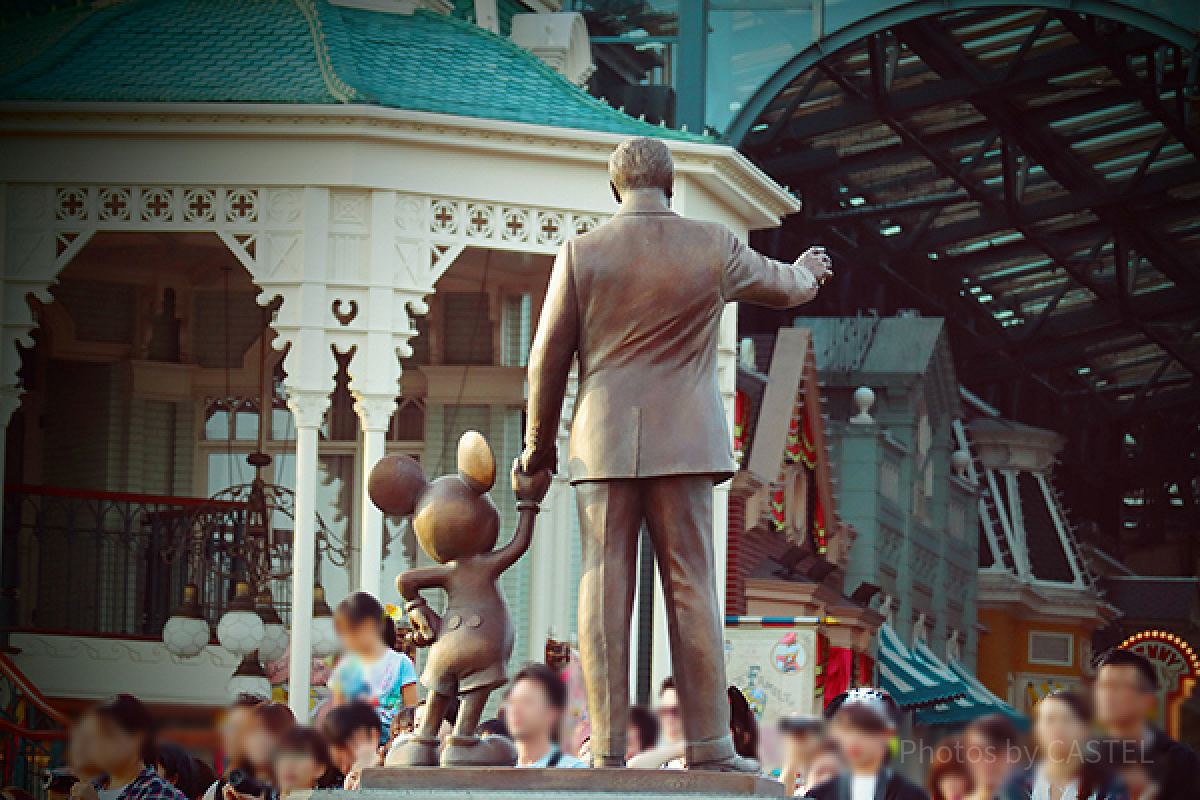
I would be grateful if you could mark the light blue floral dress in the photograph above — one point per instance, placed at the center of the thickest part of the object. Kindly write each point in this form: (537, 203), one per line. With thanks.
(381, 684)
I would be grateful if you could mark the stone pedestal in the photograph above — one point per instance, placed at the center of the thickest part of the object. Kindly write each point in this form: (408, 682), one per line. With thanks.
(389, 783)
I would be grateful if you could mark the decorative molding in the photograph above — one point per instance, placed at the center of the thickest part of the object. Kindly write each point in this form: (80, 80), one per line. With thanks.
(374, 410)
(501, 226)
(308, 406)
(720, 168)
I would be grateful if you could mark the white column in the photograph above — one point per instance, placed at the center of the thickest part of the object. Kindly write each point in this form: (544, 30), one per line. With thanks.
(660, 652)
(308, 407)
(374, 415)
(550, 591)
(727, 382)
(310, 368)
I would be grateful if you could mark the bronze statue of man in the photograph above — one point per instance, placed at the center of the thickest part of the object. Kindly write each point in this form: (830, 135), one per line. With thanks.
(639, 301)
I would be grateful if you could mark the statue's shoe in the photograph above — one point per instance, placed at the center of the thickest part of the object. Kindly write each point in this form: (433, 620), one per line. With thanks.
(731, 764)
(473, 751)
(413, 751)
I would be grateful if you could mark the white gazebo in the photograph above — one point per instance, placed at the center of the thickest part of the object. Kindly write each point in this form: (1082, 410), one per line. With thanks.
(351, 199)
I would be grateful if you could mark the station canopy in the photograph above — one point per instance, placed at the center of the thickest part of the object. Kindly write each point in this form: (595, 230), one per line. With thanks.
(1029, 174)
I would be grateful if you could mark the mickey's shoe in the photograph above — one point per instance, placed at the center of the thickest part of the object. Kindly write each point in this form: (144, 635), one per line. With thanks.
(413, 751)
(473, 751)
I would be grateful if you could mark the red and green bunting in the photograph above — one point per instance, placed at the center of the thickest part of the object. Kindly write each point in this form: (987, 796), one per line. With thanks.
(801, 448)
(800, 445)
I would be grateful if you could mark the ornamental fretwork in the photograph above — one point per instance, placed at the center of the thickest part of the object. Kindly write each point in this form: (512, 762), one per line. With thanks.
(506, 227)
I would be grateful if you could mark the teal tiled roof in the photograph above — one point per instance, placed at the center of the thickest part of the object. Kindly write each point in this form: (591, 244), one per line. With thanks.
(291, 51)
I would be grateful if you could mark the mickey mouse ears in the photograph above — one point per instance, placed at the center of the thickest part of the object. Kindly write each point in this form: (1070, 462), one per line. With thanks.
(476, 464)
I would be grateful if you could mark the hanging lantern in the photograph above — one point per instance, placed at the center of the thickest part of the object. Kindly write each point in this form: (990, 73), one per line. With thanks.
(186, 633)
(325, 641)
(250, 679)
(275, 635)
(241, 629)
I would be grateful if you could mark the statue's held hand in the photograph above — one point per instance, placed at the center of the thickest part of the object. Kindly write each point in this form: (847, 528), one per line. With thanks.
(534, 460)
(816, 261)
(425, 625)
(530, 488)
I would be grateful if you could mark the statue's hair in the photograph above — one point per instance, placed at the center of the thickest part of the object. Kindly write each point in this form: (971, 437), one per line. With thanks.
(642, 163)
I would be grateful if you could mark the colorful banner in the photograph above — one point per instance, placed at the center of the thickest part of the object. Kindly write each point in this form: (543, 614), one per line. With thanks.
(775, 667)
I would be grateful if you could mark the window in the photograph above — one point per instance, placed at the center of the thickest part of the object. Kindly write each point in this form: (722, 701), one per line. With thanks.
(517, 329)
(466, 328)
(1051, 648)
(923, 471)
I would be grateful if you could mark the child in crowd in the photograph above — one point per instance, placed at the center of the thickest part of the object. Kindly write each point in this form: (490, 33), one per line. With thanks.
(124, 750)
(234, 725)
(825, 764)
(371, 670)
(303, 762)
(353, 732)
(862, 724)
(949, 778)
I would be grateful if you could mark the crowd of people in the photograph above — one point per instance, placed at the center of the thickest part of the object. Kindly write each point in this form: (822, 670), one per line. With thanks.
(850, 752)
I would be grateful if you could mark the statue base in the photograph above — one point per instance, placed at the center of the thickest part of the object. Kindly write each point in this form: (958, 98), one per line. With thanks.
(506, 783)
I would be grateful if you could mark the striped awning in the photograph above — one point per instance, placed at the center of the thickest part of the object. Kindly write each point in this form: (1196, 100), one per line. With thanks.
(913, 682)
(978, 701)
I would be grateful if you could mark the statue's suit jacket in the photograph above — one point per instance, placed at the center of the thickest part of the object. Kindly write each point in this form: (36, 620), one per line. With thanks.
(639, 299)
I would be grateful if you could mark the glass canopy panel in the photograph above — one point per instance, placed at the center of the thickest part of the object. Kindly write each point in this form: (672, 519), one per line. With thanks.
(746, 46)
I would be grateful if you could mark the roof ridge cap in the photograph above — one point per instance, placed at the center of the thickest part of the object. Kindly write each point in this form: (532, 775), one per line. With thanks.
(337, 88)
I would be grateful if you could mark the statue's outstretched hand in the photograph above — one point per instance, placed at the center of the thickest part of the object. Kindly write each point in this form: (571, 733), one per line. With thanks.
(816, 261)
(530, 488)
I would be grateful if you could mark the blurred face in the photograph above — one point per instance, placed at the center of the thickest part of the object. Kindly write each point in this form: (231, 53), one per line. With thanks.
(989, 765)
(363, 638)
(1120, 698)
(259, 743)
(361, 748)
(953, 787)
(800, 747)
(528, 711)
(633, 742)
(1060, 734)
(297, 771)
(80, 747)
(668, 717)
(233, 732)
(864, 750)
(824, 767)
(114, 747)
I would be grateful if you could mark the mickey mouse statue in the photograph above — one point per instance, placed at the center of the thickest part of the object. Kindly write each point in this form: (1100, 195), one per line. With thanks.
(470, 645)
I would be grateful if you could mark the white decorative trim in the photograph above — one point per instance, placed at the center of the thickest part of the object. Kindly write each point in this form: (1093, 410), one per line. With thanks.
(93, 667)
(719, 168)
(506, 227)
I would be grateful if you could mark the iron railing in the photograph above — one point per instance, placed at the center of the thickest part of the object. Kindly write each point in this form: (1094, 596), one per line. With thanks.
(32, 733)
(93, 562)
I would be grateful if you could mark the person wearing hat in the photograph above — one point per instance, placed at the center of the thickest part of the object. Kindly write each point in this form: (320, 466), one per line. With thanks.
(802, 737)
(863, 722)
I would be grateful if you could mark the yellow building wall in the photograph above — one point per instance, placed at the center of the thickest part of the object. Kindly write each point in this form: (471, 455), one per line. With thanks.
(1004, 665)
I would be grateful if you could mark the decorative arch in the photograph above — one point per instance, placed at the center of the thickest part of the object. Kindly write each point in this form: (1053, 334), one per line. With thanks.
(889, 12)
